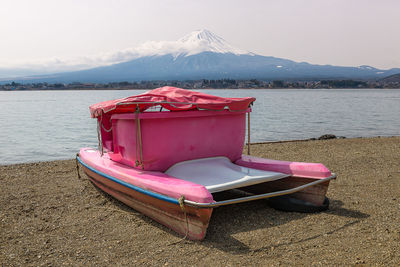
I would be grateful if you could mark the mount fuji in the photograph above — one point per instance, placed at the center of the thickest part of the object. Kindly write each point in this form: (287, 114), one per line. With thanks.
(202, 55)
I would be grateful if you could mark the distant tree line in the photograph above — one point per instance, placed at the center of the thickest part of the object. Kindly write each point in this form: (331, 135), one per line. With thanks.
(344, 84)
(202, 84)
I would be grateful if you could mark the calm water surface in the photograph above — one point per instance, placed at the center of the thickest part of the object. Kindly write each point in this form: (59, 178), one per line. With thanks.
(50, 125)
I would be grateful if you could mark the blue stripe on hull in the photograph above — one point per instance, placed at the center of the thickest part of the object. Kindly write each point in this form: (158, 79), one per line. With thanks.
(130, 186)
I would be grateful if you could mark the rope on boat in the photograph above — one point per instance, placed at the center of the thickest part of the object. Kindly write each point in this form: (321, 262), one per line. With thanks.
(181, 201)
(139, 158)
(77, 165)
(182, 205)
(104, 128)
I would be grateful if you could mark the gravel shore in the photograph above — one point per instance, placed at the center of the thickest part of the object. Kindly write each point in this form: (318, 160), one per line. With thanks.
(50, 217)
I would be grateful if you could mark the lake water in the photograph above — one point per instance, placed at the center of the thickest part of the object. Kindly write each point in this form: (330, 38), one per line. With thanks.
(50, 125)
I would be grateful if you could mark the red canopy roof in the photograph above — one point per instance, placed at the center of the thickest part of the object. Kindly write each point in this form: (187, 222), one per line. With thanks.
(171, 98)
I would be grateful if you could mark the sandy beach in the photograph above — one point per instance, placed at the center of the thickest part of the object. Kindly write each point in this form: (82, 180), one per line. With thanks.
(50, 217)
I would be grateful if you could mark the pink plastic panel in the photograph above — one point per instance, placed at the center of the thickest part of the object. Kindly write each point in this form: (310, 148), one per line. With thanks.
(172, 137)
(299, 169)
(148, 180)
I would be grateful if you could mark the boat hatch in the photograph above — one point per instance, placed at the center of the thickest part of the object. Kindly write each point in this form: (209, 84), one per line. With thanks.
(219, 174)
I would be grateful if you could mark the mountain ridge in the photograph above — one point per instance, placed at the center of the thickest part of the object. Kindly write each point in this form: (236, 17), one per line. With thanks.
(204, 55)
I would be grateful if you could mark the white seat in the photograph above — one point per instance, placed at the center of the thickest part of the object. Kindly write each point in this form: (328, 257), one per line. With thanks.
(219, 174)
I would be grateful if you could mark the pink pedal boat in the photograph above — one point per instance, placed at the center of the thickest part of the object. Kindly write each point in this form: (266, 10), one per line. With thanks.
(173, 154)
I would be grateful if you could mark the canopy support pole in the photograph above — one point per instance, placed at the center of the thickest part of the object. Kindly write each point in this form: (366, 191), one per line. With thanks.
(248, 133)
(99, 137)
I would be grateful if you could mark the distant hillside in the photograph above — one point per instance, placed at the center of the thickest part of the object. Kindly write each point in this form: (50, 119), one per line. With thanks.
(209, 65)
(392, 78)
(203, 55)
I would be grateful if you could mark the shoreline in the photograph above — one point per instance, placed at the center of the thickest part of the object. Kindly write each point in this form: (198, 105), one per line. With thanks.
(50, 217)
(244, 149)
(127, 89)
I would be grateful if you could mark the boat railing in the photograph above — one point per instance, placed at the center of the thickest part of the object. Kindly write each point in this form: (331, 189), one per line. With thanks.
(257, 197)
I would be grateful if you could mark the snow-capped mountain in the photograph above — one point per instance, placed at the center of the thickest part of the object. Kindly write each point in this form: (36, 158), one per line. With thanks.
(193, 43)
(200, 55)
(205, 41)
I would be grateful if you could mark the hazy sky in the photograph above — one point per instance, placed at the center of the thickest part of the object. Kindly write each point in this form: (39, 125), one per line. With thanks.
(337, 32)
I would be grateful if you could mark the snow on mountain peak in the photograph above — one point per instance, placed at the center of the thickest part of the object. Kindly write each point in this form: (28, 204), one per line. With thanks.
(204, 40)
(193, 43)
(200, 35)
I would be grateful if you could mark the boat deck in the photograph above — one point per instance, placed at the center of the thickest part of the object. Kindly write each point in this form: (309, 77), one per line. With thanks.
(219, 174)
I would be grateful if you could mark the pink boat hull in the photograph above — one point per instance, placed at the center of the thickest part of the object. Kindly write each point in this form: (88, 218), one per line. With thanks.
(156, 194)
(193, 224)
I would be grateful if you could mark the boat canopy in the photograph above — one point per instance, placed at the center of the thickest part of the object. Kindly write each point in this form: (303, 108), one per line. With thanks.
(171, 98)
